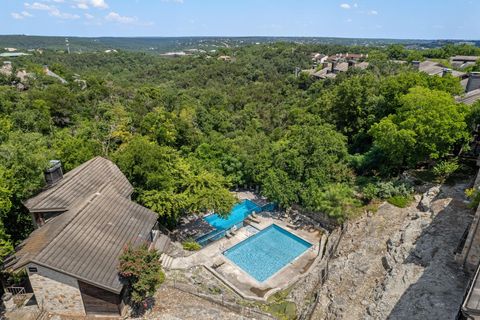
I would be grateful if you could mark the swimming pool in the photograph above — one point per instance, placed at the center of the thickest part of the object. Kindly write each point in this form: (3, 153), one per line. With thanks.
(265, 253)
(239, 212)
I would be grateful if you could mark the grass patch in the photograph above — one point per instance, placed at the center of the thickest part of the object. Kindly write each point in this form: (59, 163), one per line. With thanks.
(400, 201)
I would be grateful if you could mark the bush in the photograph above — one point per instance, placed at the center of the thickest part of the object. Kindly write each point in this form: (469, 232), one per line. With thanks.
(386, 190)
(474, 196)
(191, 245)
(444, 169)
(142, 271)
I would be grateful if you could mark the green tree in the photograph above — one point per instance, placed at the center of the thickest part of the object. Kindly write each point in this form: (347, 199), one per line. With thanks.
(428, 126)
(142, 271)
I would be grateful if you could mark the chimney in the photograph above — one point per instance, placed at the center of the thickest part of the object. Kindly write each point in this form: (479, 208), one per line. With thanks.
(473, 81)
(416, 65)
(334, 65)
(446, 71)
(53, 173)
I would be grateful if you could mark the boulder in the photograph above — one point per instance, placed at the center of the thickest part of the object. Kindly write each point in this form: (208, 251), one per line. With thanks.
(428, 197)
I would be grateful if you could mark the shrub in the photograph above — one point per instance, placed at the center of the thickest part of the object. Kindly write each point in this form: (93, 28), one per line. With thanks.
(386, 190)
(191, 245)
(444, 169)
(474, 196)
(141, 269)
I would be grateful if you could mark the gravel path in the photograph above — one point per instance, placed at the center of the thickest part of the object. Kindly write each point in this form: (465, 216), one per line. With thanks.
(399, 263)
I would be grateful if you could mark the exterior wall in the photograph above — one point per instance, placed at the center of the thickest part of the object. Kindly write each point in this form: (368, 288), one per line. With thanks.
(55, 291)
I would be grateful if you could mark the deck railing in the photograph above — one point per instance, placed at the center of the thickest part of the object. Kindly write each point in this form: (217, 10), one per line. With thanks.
(19, 294)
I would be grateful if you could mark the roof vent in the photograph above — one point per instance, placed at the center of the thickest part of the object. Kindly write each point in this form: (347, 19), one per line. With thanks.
(473, 81)
(446, 71)
(54, 172)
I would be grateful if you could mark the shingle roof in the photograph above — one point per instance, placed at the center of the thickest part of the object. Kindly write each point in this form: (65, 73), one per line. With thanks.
(87, 240)
(470, 97)
(79, 183)
(434, 68)
(464, 58)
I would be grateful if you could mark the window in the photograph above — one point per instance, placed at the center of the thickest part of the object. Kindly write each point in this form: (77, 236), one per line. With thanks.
(32, 269)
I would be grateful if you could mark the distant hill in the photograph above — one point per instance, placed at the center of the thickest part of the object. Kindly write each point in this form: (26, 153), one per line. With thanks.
(163, 44)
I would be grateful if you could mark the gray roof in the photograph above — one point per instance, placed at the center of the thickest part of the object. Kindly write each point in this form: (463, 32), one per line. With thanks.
(464, 58)
(434, 68)
(470, 97)
(87, 240)
(79, 183)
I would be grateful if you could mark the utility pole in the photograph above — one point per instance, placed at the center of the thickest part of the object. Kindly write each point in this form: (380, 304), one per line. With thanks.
(68, 45)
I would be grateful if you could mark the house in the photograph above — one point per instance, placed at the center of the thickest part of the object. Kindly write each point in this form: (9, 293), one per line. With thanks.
(13, 54)
(319, 57)
(83, 221)
(434, 68)
(472, 89)
(463, 61)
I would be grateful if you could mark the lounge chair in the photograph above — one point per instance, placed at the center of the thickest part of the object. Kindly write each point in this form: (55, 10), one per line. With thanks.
(228, 235)
(292, 226)
(254, 215)
(233, 230)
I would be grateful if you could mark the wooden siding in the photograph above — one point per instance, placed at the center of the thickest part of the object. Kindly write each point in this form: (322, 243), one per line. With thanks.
(98, 301)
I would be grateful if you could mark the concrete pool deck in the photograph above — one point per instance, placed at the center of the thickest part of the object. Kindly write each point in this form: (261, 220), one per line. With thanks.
(240, 281)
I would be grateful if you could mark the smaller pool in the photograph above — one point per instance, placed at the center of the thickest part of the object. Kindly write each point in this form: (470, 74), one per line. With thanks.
(239, 212)
(265, 253)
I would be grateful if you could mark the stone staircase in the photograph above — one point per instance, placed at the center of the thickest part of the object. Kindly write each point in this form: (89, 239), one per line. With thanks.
(166, 261)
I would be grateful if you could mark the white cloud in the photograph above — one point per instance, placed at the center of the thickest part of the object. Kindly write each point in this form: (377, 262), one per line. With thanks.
(88, 16)
(174, 1)
(16, 16)
(115, 17)
(52, 10)
(38, 6)
(355, 5)
(373, 12)
(101, 4)
(82, 5)
(21, 15)
(86, 4)
(345, 6)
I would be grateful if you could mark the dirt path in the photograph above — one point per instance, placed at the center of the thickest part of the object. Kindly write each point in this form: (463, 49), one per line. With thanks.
(399, 263)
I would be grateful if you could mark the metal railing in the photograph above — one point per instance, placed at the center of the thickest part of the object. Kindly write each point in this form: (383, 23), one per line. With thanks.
(18, 294)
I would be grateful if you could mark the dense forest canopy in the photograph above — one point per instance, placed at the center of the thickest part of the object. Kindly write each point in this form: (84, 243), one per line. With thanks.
(186, 131)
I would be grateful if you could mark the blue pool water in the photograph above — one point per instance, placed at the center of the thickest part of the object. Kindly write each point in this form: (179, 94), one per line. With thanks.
(238, 214)
(266, 252)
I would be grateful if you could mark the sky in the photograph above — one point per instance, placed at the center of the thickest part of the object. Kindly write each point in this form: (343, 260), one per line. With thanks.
(400, 19)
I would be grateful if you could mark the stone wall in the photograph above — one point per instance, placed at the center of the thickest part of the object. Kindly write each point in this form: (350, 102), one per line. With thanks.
(56, 292)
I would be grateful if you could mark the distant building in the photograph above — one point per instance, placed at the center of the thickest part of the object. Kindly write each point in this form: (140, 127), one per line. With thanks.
(434, 68)
(472, 89)
(463, 61)
(13, 54)
(83, 221)
(226, 58)
(319, 57)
